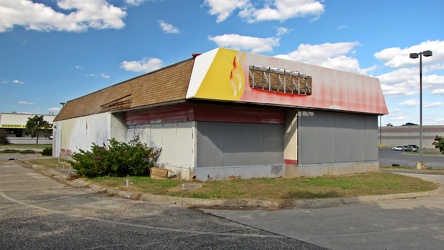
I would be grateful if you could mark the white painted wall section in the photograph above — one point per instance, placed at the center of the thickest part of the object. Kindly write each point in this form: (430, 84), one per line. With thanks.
(80, 133)
(177, 141)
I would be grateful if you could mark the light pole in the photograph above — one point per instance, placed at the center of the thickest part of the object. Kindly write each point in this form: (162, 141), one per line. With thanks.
(425, 53)
(380, 131)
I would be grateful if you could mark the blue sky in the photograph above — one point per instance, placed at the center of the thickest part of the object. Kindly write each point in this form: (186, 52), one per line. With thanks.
(53, 51)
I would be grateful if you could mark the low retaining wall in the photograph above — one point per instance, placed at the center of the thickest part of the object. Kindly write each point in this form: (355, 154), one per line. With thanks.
(28, 140)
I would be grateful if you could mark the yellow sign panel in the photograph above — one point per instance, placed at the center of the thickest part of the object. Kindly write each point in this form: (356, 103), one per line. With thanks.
(12, 126)
(225, 78)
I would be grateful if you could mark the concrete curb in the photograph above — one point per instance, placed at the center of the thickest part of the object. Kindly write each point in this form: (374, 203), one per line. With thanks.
(317, 203)
(229, 204)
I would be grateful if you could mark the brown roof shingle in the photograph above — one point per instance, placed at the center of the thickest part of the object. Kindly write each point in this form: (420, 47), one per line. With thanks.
(164, 85)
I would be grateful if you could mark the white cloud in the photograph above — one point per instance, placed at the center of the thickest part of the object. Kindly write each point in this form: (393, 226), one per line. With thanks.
(433, 104)
(223, 9)
(396, 115)
(438, 91)
(397, 57)
(282, 31)
(433, 82)
(397, 90)
(77, 67)
(437, 66)
(271, 9)
(17, 82)
(331, 55)
(318, 53)
(409, 103)
(25, 103)
(400, 76)
(78, 15)
(246, 43)
(439, 121)
(345, 63)
(134, 2)
(144, 65)
(342, 27)
(400, 82)
(54, 109)
(103, 75)
(404, 80)
(168, 28)
(282, 10)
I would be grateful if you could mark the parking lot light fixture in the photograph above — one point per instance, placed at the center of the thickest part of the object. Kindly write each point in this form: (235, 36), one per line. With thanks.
(425, 53)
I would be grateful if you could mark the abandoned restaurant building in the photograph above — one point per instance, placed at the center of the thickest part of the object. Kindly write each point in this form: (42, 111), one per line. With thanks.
(226, 113)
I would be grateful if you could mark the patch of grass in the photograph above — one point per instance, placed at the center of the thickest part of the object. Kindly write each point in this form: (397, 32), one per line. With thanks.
(44, 162)
(272, 189)
(27, 151)
(278, 189)
(137, 184)
(24, 146)
(395, 167)
(412, 169)
(10, 151)
(13, 151)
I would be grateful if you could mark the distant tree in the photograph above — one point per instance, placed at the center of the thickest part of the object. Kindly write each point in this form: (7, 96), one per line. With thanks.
(389, 125)
(4, 137)
(36, 125)
(410, 124)
(439, 143)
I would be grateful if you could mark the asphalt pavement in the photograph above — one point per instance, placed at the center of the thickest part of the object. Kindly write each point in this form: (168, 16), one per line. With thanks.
(37, 212)
(388, 157)
(416, 223)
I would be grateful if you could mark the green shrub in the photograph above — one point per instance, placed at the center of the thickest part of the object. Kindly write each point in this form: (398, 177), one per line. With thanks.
(47, 151)
(118, 159)
(27, 151)
(4, 137)
(439, 143)
(10, 151)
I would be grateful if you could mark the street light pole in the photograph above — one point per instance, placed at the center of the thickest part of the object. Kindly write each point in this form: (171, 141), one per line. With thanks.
(426, 53)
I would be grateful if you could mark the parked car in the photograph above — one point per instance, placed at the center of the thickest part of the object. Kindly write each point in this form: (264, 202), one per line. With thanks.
(406, 148)
(398, 148)
(415, 147)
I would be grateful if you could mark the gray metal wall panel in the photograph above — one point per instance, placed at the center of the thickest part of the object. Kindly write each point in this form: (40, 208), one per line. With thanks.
(232, 147)
(329, 137)
(371, 138)
(210, 140)
(239, 144)
(273, 137)
(254, 144)
(345, 144)
(315, 137)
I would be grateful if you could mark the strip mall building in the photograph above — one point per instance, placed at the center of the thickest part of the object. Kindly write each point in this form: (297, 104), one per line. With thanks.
(225, 114)
(15, 125)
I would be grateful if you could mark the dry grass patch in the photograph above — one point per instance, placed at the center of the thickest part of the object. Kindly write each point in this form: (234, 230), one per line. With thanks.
(45, 162)
(278, 189)
(24, 146)
(271, 189)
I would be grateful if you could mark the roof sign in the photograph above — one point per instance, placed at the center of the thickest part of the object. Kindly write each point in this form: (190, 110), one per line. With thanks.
(230, 75)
